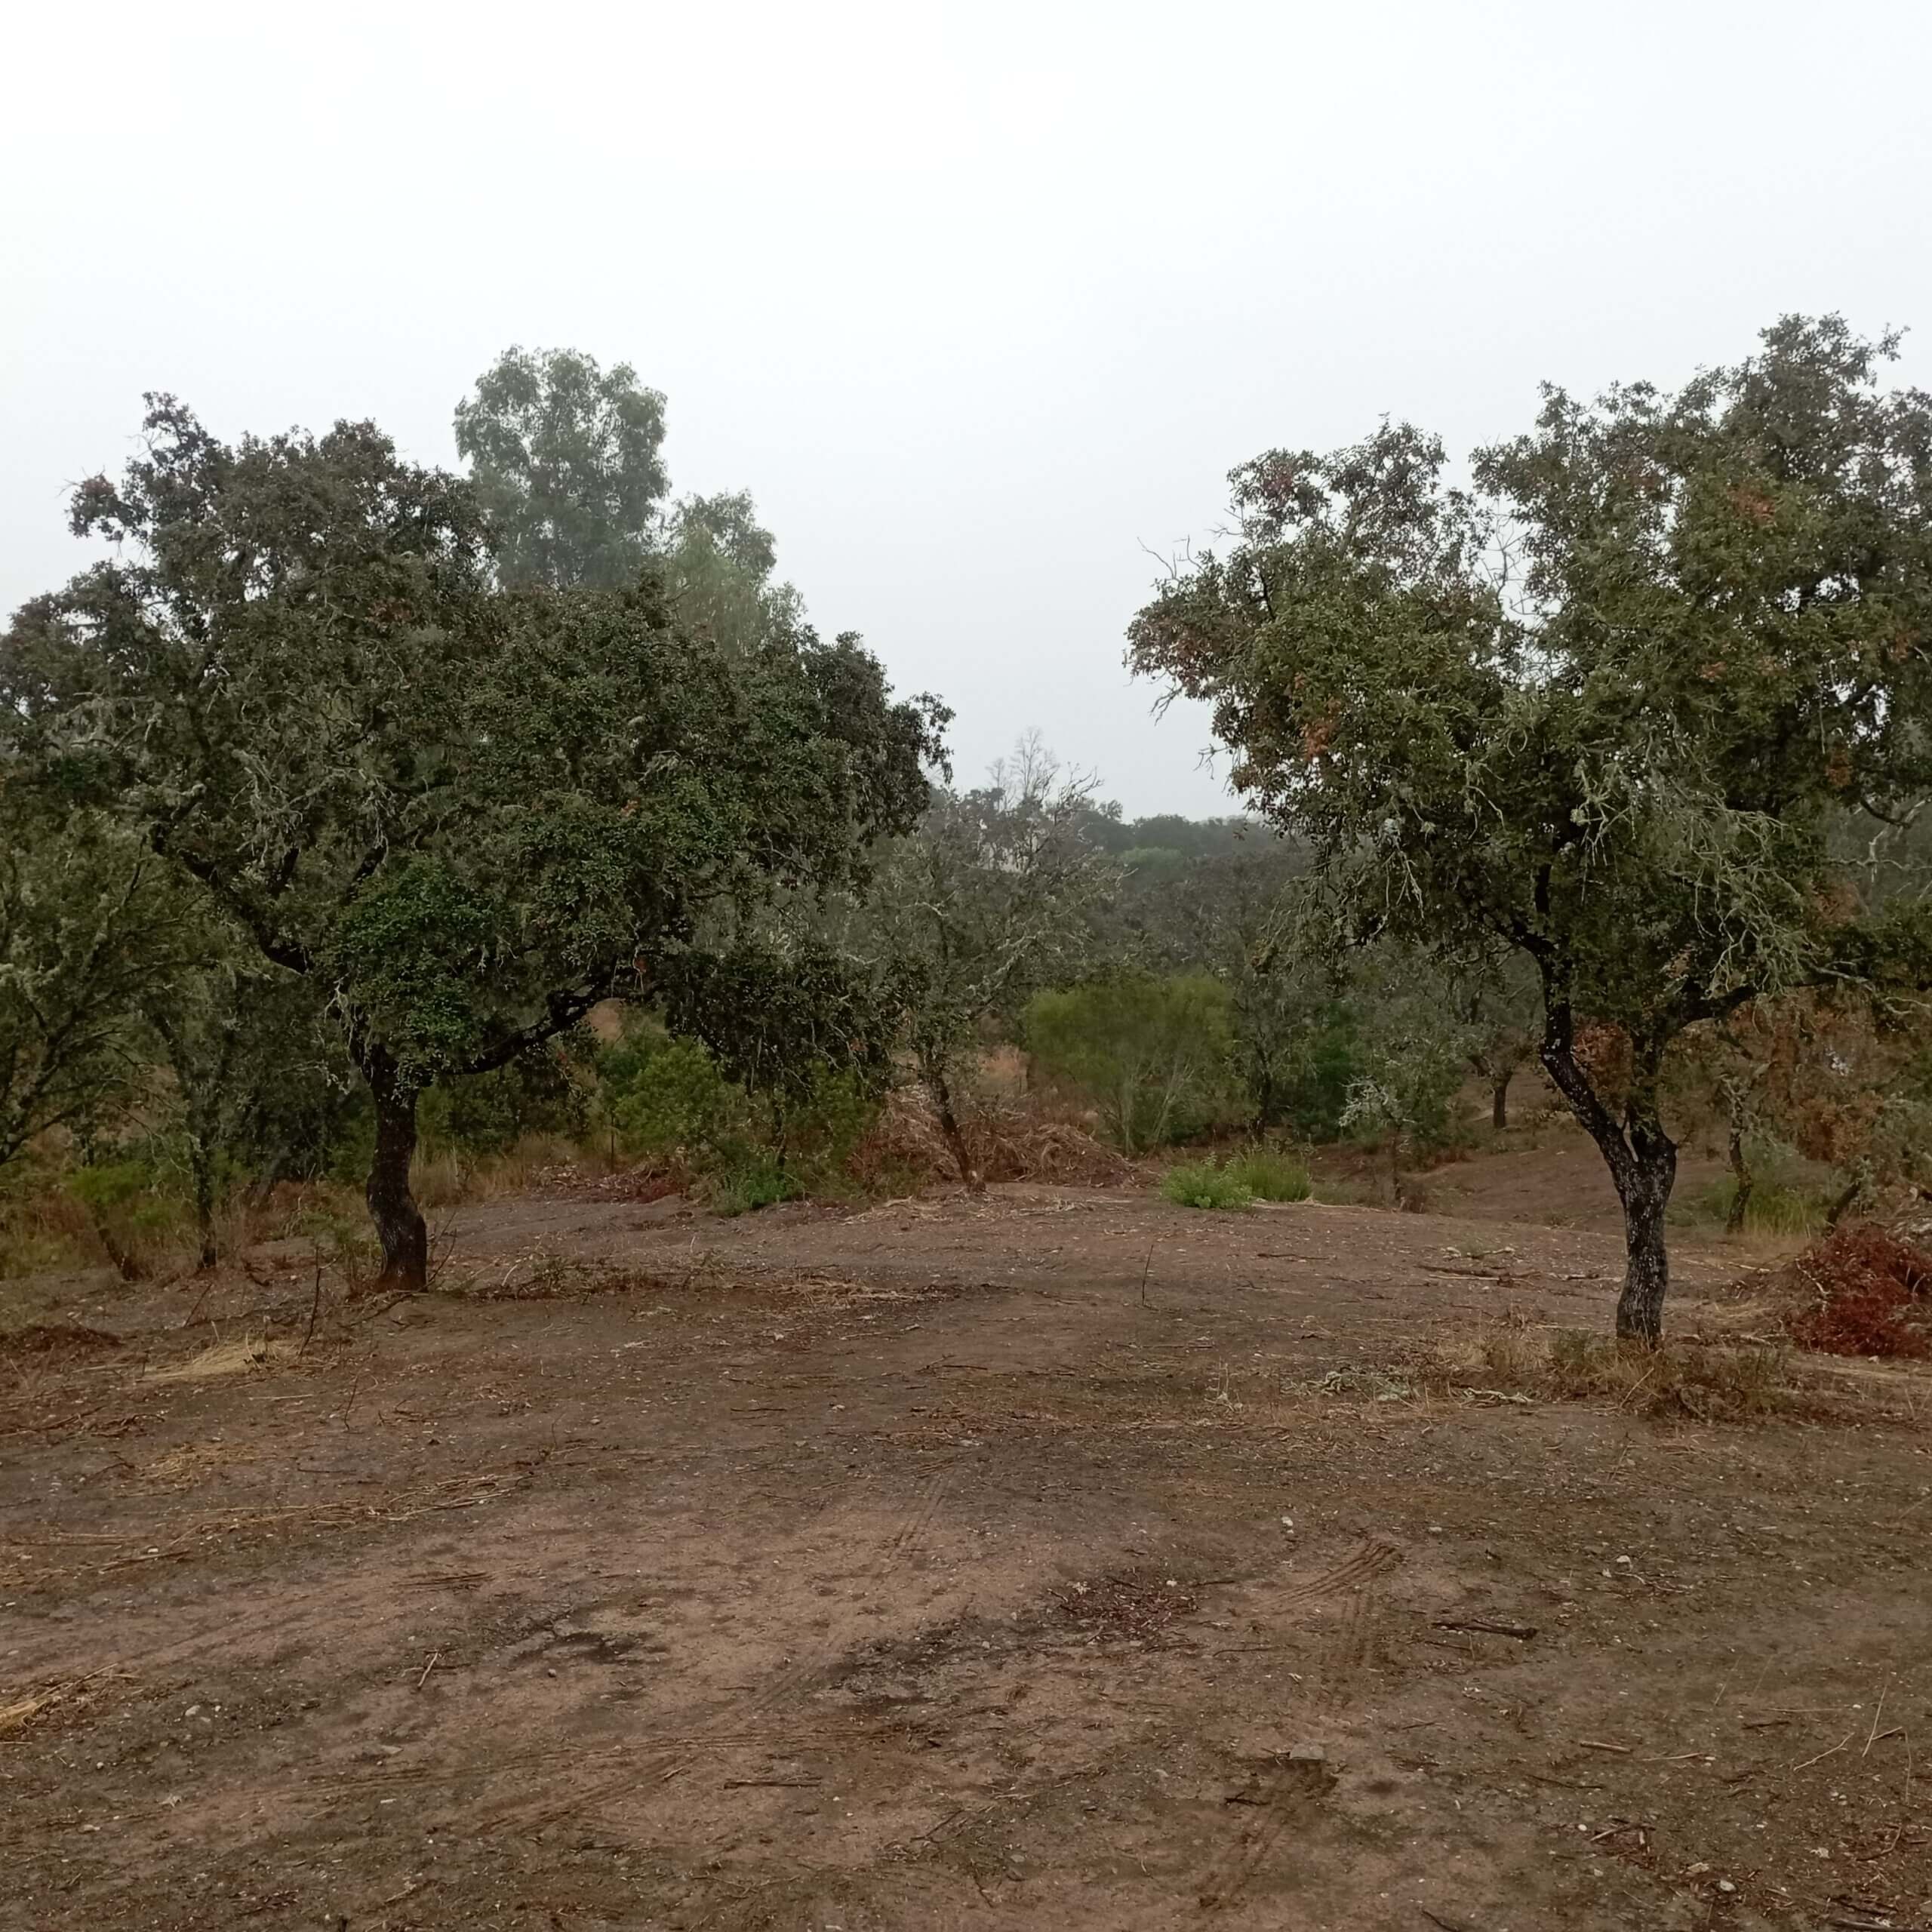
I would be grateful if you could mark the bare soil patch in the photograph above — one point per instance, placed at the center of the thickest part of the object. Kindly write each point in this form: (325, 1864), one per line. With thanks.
(1062, 1557)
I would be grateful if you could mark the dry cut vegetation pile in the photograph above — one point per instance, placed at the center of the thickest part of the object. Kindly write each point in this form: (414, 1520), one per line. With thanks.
(1861, 1291)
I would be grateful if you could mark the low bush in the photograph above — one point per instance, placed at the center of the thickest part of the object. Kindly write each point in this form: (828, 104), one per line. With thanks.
(747, 1182)
(1152, 1055)
(1007, 1138)
(488, 1114)
(1270, 1175)
(135, 1219)
(1773, 1207)
(660, 1096)
(1205, 1184)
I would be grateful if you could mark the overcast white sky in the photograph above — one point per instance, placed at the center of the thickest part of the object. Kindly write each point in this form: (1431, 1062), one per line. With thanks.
(978, 300)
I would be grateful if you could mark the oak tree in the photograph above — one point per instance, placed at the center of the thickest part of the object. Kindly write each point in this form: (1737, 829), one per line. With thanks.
(1602, 705)
(468, 812)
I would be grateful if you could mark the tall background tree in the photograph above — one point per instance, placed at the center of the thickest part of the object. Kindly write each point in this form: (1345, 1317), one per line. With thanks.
(1605, 707)
(469, 814)
(566, 459)
(992, 898)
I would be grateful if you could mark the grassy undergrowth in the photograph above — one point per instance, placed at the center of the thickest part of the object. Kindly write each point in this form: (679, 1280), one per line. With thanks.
(1257, 1174)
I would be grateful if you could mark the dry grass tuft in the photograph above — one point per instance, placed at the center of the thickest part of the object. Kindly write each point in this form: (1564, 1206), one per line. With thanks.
(1513, 1359)
(21, 1712)
(239, 1357)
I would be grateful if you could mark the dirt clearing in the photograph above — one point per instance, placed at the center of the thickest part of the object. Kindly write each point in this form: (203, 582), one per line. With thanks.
(1065, 1558)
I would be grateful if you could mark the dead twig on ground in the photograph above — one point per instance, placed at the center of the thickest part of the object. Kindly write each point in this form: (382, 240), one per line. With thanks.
(1871, 1736)
(1488, 1625)
(1832, 1753)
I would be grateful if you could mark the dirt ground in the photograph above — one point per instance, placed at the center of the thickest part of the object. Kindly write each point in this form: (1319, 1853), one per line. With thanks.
(1051, 1560)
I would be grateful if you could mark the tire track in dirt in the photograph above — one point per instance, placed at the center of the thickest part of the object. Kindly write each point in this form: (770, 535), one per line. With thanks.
(1288, 1793)
(737, 1727)
(1375, 1557)
(1291, 1789)
(1352, 1644)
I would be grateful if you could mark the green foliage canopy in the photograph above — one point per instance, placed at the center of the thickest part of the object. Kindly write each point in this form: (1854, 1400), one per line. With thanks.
(87, 928)
(1603, 706)
(469, 813)
(566, 459)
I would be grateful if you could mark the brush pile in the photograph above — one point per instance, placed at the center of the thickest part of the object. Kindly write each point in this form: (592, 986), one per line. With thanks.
(1006, 1140)
(1860, 1291)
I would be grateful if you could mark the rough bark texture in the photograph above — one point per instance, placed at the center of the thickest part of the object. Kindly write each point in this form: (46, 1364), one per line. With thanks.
(1642, 1160)
(1741, 1169)
(1498, 1100)
(399, 1224)
(1644, 1186)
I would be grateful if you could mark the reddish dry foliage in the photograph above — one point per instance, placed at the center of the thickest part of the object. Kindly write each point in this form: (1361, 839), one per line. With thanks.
(1866, 1292)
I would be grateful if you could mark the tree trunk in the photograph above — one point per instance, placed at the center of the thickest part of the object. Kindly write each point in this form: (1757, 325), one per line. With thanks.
(1642, 1160)
(1836, 1212)
(1744, 1180)
(1644, 1189)
(202, 1166)
(1498, 1100)
(399, 1223)
(949, 1125)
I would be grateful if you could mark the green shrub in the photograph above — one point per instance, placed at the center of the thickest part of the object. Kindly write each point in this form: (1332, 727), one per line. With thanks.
(1270, 1175)
(133, 1215)
(660, 1095)
(747, 1182)
(489, 1113)
(1312, 1069)
(1775, 1207)
(1205, 1184)
(1151, 1054)
(815, 1133)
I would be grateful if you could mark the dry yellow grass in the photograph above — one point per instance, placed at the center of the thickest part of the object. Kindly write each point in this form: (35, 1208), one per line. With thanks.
(22, 1710)
(1726, 1377)
(238, 1357)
